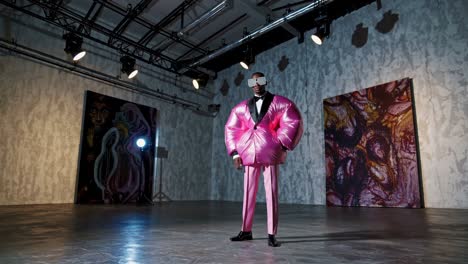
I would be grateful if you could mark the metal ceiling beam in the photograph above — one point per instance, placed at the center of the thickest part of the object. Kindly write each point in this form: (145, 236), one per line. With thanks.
(86, 19)
(71, 21)
(289, 5)
(119, 10)
(41, 57)
(130, 16)
(262, 30)
(154, 30)
(264, 11)
(230, 24)
(263, 2)
(208, 15)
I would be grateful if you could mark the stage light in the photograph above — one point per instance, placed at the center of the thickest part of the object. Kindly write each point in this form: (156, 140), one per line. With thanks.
(141, 143)
(73, 46)
(128, 66)
(317, 39)
(200, 82)
(248, 58)
(321, 33)
(196, 84)
(244, 65)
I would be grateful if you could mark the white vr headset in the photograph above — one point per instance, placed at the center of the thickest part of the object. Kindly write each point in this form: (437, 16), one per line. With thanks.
(259, 80)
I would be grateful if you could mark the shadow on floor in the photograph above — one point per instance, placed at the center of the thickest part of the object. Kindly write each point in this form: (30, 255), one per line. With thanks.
(355, 235)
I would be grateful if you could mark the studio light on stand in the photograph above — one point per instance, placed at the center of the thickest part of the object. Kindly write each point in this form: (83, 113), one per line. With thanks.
(128, 66)
(161, 153)
(141, 143)
(73, 45)
(141, 197)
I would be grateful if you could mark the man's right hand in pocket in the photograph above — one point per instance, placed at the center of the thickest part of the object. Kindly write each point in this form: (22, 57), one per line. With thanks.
(238, 163)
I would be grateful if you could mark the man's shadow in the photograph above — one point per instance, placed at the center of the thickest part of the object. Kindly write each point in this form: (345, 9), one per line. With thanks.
(352, 235)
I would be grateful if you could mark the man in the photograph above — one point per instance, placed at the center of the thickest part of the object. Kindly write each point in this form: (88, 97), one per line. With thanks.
(258, 133)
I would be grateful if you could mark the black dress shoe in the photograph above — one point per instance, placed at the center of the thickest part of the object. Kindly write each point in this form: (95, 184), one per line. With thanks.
(242, 236)
(272, 242)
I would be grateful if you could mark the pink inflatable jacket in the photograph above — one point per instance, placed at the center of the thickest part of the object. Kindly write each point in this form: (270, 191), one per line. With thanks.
(263, 140)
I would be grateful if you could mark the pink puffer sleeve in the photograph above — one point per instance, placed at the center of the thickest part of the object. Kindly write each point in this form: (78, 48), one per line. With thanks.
(290, 127)
(232, 131)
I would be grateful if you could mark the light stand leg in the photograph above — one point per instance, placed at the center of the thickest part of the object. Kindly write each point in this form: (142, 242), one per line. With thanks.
(160, 195)
(141, 197)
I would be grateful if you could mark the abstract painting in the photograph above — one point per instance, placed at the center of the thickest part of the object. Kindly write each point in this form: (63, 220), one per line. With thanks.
(371, 149)
(112, 168)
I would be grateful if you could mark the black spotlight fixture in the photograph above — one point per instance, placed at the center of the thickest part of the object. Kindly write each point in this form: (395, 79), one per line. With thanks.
(128, 66)
(200, 82)
(248, 58)
(73, 44)
(322, 32)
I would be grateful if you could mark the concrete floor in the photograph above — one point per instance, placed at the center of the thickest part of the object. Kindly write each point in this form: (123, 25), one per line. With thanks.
(198, 232)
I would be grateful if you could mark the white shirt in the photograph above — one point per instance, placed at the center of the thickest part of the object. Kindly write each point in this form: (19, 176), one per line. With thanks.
(259, 104)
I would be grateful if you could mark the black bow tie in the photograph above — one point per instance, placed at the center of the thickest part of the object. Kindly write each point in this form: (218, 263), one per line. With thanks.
(256, 98)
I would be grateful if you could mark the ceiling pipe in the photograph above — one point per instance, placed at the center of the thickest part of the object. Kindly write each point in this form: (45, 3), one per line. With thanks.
(223, 29)
(262, 30)
(224, 5)
(210, 14)
(47, 59)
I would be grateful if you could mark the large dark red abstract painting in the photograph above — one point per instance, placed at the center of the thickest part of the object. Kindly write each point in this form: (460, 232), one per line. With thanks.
(112, 168)
(371, 149)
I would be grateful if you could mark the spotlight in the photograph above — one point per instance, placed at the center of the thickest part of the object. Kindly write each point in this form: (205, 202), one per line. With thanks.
(248, 58)
(244, 65)
(128, 66)
(141, 143)
(200, 82)
(73, 46)
(323, 31)
(195, 83)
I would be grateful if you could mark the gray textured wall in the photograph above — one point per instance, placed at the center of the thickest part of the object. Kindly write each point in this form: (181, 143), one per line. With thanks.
(428, 44)
(41, 116)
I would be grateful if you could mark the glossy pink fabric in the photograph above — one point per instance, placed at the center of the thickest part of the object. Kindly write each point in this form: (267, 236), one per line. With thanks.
(281, 126)
(270, 181)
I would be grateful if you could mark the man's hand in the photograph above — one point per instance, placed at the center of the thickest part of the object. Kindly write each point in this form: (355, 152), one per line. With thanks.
(238, 163)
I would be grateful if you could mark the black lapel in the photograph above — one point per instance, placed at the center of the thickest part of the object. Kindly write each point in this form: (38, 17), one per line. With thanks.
(253, 110)
(265, 105)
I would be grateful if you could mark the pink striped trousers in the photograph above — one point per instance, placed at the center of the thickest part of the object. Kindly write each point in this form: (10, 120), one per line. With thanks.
(270, 176)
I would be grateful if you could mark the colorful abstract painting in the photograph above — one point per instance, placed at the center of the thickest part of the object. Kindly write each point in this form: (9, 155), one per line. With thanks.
(371, 149)
(112, 168)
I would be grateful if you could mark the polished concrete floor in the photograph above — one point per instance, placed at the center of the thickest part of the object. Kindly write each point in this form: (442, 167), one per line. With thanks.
(198, 232)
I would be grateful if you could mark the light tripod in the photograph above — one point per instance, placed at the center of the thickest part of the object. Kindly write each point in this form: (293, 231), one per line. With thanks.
(141, 197)
(160, 195)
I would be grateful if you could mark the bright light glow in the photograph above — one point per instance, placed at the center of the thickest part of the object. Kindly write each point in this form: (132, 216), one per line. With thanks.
(244, 65)
(133, 74)
(79, 56)
(317, 39)
(141, 143)
(195, 84)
